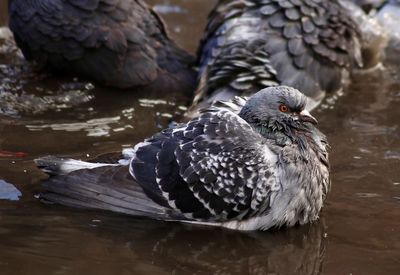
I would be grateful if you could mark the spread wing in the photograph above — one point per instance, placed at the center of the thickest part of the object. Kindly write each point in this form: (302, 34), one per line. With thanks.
(114, 42)
(303, 44)
(215, 168)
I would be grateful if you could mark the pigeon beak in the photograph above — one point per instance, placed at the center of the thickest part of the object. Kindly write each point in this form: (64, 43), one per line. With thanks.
(305, 116)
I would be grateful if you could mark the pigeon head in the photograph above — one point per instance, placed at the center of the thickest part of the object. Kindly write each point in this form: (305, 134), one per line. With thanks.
(278, 109)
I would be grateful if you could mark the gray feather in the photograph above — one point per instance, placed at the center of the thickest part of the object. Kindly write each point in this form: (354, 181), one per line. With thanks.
(106, 188)
(249, 45)
(117, 43)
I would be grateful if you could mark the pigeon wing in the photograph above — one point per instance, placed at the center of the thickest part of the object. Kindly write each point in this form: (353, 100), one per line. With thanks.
(213, 169)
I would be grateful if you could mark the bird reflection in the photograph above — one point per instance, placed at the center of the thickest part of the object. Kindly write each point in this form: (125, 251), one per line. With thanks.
(190, 249)
(101, 243)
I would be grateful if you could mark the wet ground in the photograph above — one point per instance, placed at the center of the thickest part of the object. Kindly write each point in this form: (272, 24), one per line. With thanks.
(359, 229)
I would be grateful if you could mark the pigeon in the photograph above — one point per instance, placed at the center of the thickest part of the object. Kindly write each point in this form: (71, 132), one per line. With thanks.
(247, 164)
(122, 44)
(248, 45)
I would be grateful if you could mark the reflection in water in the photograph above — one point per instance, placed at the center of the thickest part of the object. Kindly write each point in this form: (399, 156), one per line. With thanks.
(14, 101)
(169, 9)
(162, 248)
(126, 114)
(372, 129)
(298, 251)
(22, 89)
(94, 127)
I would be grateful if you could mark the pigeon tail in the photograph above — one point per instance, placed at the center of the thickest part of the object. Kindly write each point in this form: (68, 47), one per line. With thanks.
(105, 187)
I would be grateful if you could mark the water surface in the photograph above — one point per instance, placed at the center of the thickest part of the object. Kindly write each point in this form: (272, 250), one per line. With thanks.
(359, 229)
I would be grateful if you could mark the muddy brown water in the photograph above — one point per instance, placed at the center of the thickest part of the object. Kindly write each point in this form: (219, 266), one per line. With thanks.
(359, 229)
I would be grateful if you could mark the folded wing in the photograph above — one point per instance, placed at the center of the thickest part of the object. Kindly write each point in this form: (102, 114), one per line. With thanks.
(214, 169)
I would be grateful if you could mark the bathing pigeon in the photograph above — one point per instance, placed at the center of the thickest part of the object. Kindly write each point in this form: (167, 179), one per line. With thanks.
(122, 44)
(246, 164)
(249, 44)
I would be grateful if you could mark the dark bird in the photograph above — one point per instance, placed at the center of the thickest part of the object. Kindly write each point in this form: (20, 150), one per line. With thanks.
(122, 44)
(244, 165)
(307, 44)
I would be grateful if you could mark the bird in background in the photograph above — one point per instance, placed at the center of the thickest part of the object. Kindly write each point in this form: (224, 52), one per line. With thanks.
(248, 45)
(250, 164)
(122, 44)
(310, 45)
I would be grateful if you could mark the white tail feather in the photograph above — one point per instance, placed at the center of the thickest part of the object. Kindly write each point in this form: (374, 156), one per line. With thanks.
(54, 165)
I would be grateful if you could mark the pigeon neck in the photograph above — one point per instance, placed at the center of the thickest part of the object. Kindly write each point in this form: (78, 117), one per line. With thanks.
(283, 134)
(279, 137)
(273, 131)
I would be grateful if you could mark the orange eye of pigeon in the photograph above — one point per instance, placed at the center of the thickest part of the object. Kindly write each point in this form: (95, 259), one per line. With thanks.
(283, 108)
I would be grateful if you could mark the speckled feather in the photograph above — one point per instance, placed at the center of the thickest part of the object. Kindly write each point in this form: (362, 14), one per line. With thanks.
(117, 43)
(213, 169)
(248, 45)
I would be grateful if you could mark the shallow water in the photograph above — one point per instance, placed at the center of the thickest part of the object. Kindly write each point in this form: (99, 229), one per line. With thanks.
(359, 229)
